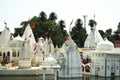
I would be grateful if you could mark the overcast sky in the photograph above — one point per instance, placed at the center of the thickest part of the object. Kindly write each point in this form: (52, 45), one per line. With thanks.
(107, 13)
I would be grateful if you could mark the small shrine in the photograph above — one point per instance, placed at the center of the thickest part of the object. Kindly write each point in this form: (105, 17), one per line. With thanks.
(105, 60)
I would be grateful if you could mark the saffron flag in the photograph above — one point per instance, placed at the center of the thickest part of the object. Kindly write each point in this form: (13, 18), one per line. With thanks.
(46, 33)
(33, 26)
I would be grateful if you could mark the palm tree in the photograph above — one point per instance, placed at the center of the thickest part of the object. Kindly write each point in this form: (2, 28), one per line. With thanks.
(79, 24)
(62, 24)
(43, 16)
(118, 29)
(92, 23)
(118, 25)
(53, 17)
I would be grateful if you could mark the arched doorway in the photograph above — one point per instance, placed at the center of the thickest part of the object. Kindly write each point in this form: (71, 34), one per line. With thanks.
(4, 56)
(112, 71)
(8, 57)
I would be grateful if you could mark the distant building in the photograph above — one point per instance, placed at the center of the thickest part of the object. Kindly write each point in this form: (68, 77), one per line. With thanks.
(117, 43)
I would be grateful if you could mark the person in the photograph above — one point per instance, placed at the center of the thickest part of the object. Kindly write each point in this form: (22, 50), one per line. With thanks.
(87, 59)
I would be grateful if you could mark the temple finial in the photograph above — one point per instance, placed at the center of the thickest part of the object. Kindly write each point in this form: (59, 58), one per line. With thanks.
(5, 23)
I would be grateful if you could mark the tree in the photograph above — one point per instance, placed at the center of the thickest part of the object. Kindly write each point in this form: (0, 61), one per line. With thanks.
(79, 33)
(118, 29)
(118, 25)
(61, 23)
(53, 17)
(101, 33)
(24, 24)
(108, 34)
(43, 28)
(43, 16)
(117, 32)
(18, 31)
(79, 24)
(92, 23)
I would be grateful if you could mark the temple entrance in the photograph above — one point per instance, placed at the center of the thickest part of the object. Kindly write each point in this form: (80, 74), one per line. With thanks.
(4, 56)
(8, 54)
(97, 71)
(8, 57)
(112, 74)
(112, 71)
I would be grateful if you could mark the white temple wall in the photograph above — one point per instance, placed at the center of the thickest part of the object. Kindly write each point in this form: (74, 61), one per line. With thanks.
(98, 67)
(108, 67)
(101, 70)
(112, 67)
(93, 67)
(24, 63)
(117, 68)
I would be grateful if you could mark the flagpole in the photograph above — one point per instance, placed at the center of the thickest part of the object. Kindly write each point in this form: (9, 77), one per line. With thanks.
(70, 29)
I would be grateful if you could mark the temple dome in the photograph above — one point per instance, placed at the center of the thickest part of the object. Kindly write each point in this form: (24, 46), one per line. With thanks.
(49, 61)
(105, 45)
(16, 42)
(18, 38)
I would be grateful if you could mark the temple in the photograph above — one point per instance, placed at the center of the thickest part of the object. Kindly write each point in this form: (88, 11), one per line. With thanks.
(92, 39)
(100, 57)
(70, 60)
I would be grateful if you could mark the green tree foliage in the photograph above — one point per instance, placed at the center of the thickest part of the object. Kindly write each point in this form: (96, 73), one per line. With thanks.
(117, 32)
(79, 33)
(61, 23)
(108, 34)
(102, 33)
(53, 17)
(43, 28)
(43, 16)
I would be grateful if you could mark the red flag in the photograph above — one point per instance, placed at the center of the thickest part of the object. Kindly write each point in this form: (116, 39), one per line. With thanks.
(71, 22)
(37, 39)
(33, 26)
(30, 36)
(46, 33)
(66, 38)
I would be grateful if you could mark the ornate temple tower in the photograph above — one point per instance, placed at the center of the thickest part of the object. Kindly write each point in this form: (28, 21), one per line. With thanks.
(28, 34)
(91, 42)
(70, 61)
(92, 39)
(25, 59)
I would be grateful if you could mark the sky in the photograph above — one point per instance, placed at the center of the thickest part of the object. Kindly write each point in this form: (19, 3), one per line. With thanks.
(107, 13)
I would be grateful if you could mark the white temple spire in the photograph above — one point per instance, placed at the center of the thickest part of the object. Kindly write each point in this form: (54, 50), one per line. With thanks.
(92, 39)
